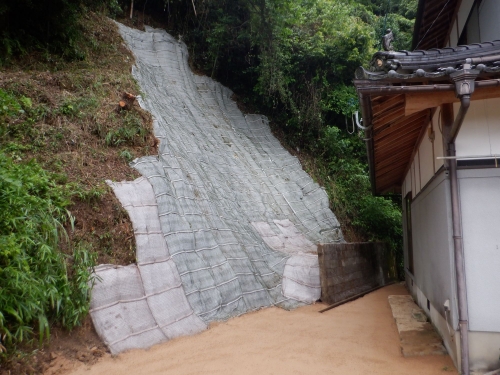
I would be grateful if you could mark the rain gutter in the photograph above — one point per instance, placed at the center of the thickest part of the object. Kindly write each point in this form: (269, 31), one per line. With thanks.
(464, 87)
(397, 90)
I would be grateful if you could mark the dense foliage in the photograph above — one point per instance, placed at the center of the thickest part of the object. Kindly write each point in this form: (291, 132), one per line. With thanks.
(36, 283)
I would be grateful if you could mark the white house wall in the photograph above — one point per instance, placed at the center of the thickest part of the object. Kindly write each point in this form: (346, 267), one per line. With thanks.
(425, 156)
(492, 111)
(414, 178)
(425, 163)
(480, 132)
(480, 200)
(432, 245)
(438, 140)
(418, 180)
(483, 350)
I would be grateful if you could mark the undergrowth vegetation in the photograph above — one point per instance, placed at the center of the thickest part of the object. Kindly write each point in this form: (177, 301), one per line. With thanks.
(36, 282)
(61, 135)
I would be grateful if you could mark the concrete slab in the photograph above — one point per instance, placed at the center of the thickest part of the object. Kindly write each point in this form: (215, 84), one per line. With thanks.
(417, 335)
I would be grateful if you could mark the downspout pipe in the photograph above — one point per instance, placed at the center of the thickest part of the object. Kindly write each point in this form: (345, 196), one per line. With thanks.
(457, 124)
(463, 314)
(464, 87)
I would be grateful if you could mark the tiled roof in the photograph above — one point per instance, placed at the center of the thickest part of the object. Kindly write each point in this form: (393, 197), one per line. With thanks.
(433, 64)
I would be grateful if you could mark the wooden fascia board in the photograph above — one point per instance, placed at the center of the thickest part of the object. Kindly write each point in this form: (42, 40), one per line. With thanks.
(416, 102)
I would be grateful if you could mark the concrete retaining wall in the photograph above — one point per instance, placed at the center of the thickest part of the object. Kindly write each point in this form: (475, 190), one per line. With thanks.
(347, 269)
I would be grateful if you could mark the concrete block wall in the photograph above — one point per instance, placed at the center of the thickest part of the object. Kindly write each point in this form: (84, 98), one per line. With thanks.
(347, 269)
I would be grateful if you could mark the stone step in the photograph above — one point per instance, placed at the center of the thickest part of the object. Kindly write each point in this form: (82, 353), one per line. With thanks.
(417, 335)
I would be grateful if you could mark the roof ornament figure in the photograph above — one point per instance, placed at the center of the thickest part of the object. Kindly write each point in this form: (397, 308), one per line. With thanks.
(387, 40)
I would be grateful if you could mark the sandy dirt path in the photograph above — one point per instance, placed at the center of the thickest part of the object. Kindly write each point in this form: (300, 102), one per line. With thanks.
(359, 337)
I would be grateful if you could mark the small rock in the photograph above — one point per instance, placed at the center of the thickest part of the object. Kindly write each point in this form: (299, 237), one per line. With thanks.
(53, 355)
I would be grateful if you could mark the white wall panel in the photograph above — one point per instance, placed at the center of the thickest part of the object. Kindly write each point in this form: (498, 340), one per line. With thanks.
(432, 244)
(480, 200)
(425, 156)
(418, 185)
(473, 138)
(406, 188)
(438, 140)
(492, 118)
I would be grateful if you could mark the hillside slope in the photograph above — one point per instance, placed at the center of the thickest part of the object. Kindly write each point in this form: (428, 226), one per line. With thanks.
(236, 211)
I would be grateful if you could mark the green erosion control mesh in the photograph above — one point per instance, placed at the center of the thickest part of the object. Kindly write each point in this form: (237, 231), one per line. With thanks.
(225, 219)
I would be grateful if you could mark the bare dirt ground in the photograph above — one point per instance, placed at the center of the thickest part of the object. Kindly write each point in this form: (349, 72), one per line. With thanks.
(359, 337)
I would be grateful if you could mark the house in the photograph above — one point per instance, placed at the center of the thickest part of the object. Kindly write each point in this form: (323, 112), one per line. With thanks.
(433, 136)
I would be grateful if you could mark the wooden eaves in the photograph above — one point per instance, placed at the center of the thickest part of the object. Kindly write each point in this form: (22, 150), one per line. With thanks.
(397, 104)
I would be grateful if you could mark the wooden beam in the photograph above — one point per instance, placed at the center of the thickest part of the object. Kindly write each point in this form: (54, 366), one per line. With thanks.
(418, 101)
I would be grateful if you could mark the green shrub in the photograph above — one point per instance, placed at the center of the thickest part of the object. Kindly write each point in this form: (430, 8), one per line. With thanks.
(130, 132)
(35, 282)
